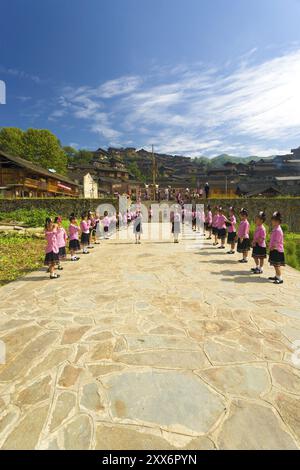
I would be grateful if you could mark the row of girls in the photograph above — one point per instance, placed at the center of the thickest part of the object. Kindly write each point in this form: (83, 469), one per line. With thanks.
(220, 226)
(82, 236)
(79, 236)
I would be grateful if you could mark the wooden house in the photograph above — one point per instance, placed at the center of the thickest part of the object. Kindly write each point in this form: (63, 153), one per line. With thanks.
(22, 178)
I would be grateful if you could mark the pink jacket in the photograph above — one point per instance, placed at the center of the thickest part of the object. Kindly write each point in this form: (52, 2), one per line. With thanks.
(244, 228)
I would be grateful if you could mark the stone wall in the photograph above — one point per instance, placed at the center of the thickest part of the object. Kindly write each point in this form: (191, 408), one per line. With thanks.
(61, 206)
(289, 207)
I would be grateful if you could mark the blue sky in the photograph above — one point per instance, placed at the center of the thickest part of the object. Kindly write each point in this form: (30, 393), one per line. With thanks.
(193, 77)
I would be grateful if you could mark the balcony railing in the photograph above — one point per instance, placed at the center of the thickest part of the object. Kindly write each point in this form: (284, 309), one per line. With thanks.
(60, 188)
(35, 184)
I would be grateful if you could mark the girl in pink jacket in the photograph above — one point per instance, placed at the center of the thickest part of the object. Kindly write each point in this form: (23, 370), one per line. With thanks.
(243, 236)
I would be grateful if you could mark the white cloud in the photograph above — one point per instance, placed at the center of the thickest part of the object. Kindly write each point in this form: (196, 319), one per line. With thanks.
(120, 86)
(247, 108)
(19, 74)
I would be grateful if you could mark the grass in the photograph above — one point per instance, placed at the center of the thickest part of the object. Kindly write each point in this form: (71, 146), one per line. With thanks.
(27, 217)
(19, 255)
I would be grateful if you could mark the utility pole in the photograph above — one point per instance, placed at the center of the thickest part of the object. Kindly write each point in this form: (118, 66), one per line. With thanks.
(153, 172)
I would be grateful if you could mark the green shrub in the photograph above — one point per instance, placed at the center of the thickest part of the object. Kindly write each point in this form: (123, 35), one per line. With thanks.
(292, 251)
(27, 217)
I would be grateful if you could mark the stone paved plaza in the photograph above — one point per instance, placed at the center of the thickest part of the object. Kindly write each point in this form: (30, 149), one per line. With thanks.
(151, 346)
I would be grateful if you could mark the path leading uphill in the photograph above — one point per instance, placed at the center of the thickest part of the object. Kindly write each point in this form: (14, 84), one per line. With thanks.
(151, 346)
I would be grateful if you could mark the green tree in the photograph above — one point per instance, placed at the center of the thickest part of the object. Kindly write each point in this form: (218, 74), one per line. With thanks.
(71, 153)
(43, 148)
(39, 146)
(11, 141)
(134, 169)
(84, 156)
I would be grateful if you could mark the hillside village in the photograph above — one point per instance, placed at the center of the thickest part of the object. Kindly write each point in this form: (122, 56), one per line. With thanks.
(128, 170)
(118, 170)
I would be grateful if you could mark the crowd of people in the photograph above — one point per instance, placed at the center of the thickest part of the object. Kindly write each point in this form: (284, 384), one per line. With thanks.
(222, 228)
(82, 236)
(219, 226)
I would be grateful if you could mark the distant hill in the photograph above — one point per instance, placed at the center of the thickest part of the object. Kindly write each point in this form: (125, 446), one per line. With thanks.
(173, 169)
(220, 160)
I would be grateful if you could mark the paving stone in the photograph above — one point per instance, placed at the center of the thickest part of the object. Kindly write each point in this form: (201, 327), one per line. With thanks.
(78, 433)
(167, 330)
(102, 350)
(222, 354)
(69, 376)
(293, 313)
(16, 340)
(100, 336)
(26, 434)
(166, 359)
(53, 359)
(103, 369)
(253, 427)
(90, 398)
(135, 396)
(286, 377)
(289, 409)
(31, 353)
(7, 420)
(143, 342)
(65, 403)
(72, 335)
(125, 438)
(244, 380)
(35, 393)
(110, 437)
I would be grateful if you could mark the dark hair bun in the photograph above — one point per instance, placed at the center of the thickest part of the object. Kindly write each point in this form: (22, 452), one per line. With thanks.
(277, 216)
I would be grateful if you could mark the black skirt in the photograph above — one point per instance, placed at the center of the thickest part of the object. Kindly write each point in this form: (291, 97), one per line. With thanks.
(243, 246)
(207, 226)
(215, 231)
(231, 237)
(259, 252)
(51, 258)
(62, 252)
(276, 258)
(85, 238)
(175, 227)
(74, 245)
(137, 228)
(222, 233)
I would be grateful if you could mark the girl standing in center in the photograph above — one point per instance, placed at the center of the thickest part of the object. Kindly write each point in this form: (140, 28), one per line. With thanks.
(243, 236)
(176, 225)
(52, 250)
(259, 252)
(231, 231)
(215, 226)
(137, 227)
(61, 241)
(208, 222)
(74, 244)
(85, 233)
(276, 258)
(222, 227)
